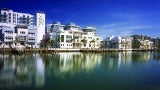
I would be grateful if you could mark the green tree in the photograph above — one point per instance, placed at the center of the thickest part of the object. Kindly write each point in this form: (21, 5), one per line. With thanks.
(136, 44)
(93, 41)
(84, 42)
(102, 43)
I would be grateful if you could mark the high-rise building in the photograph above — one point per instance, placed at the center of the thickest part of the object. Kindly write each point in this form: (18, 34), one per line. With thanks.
(40, 23)
(26, 28)
(11, 17)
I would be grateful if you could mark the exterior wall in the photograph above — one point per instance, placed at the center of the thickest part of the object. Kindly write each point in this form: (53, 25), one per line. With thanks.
(65, 39)
(9, 16)
(127, 43)
(22, 32)
(40, 23)
(7, 34)
(32, 36)
(72, 27)
(56, 26)
(48, 28)
(119, 42)
(73, 37)
(146, 44)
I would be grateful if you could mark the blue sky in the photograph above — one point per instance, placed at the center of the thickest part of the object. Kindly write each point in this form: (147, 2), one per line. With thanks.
(110, 17)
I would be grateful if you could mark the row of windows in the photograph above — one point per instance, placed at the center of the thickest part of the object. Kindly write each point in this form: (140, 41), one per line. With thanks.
(22, 32)
(67, 44)
(31, 33)
(9, 38)
(31, 39)
(8, 31)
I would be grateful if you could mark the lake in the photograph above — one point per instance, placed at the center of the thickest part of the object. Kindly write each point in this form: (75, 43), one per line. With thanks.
(81, 71)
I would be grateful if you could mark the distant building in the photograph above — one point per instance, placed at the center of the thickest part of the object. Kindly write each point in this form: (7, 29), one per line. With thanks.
(156, 42)
(48, 28)
(118, 42)
(146, 44)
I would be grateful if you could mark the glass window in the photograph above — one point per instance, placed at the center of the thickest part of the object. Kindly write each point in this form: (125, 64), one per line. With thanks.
(62, 38)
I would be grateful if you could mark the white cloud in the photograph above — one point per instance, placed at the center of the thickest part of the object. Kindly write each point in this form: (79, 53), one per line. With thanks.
(123, 29)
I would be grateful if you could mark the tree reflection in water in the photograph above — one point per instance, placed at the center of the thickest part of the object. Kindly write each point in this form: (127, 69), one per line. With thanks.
(30, 70)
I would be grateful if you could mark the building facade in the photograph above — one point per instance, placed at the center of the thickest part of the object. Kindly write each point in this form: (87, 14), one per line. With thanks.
(118, 42)
(23, 28)
(146, 44)
(11, 17)
(72, 36)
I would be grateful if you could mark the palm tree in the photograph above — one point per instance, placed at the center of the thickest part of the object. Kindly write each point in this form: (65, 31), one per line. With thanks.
(84, 41)
(57, 40)
(73, 41)
(93, 41)
(102, 44)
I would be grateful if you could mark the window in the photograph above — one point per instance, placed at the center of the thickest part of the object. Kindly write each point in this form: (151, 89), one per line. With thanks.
(62, 38)
(22, 32)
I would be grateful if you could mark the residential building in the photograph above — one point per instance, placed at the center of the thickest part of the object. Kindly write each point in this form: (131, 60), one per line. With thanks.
(118, 42)
(146, 44)
(40, 23)
(48, 28)
(11, 17)
(7, 34)
(32, 36)
(72, 36)
(56, 26)
(21, 27)
(89, 38)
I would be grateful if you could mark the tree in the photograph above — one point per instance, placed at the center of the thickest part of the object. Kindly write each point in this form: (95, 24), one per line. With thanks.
(84, 41)
(73, 41)
(93, 41)
(136, 44)
(57, 40)
(102, 44)
(45, 42)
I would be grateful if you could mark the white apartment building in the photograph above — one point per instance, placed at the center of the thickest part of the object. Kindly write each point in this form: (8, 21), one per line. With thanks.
(11, 17)
(118, 42)
(48, 28)
(89, 38)
(40, 23)
(146, 44)
(32, 36)
(56, 26)
(8, 34)
(21, 33)
(24, 27)
(72, 36)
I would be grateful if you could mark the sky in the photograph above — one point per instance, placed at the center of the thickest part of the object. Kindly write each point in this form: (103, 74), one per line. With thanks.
(109, 17)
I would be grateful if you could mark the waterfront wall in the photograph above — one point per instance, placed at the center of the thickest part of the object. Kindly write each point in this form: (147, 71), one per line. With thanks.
(56, 50)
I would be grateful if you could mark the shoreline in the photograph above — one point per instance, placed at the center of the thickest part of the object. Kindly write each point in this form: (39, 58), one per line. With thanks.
(56, 50)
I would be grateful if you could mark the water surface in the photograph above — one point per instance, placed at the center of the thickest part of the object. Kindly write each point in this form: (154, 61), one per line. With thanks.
(81, 71)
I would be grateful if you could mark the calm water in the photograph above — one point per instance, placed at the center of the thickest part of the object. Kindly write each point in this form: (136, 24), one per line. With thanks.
(81, 71)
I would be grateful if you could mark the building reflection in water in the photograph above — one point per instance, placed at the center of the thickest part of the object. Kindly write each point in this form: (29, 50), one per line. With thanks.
(24, 70)
(65, 64)
(30, 70)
